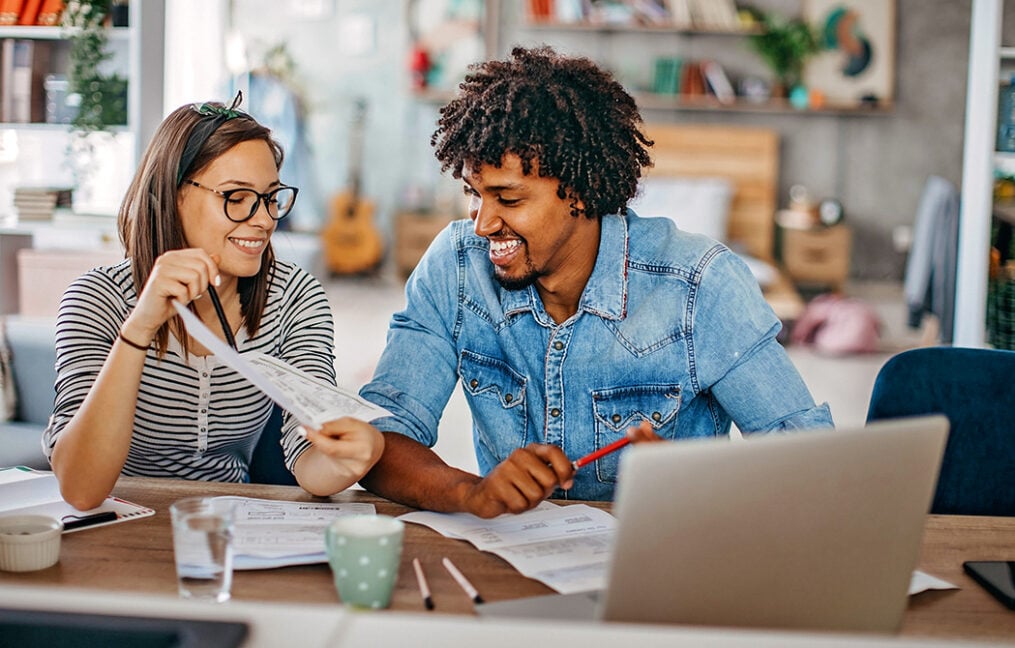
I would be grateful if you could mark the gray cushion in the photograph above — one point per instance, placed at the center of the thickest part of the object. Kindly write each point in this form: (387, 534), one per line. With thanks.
(33, 359)
(33, 363)
(21, 445)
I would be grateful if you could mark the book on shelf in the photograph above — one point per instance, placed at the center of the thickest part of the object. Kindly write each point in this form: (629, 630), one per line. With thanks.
(10, 10)
(540, 10)
(6, 72)
(692, 81)
(22, 86)
(718, 82)
(720, 15)
(50, 12)
(680, 13)
(39, 203)
(29, 12)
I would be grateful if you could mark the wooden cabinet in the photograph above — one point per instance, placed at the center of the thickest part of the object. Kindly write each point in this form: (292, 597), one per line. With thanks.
(817, 255)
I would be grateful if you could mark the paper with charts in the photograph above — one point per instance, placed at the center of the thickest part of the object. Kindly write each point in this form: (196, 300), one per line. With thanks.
(270, 533)
(564, 547)
(312, 401)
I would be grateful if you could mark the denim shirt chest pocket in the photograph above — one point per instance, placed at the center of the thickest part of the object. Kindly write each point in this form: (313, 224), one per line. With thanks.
(615, 410)
(497, 395)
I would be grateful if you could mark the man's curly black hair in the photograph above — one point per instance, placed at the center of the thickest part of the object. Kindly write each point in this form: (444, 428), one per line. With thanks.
(565, 113)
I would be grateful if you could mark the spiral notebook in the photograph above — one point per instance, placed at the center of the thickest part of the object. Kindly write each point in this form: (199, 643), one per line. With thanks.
(24, 491)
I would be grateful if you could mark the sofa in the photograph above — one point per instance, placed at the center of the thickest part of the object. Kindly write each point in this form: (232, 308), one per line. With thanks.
(31, 344)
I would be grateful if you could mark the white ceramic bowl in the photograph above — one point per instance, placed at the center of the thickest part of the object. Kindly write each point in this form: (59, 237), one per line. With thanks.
(29, 542)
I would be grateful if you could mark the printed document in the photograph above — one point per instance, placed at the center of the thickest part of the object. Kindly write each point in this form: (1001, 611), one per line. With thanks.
(312, 401)
(564, 547)
(270, 533)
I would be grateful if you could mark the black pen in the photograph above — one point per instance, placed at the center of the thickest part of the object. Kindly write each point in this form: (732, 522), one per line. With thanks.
(424, 588)
(77, 521)
(222, 316)
(462, 581)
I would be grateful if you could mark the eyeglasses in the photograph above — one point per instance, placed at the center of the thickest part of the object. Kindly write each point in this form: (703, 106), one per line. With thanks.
(240, 205)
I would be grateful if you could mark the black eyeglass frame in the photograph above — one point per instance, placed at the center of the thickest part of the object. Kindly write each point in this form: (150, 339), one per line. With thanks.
(261, 198)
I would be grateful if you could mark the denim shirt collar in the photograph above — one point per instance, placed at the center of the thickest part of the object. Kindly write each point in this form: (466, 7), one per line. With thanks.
(605, 294)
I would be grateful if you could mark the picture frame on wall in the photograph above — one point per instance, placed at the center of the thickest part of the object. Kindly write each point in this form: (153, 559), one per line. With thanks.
(857, 62)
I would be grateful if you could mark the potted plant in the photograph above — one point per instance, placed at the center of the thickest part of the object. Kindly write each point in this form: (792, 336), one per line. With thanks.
(103, 97)
(785, 45)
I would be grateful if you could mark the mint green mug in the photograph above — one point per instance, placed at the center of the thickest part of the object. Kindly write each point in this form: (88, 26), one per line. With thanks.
(364, 552)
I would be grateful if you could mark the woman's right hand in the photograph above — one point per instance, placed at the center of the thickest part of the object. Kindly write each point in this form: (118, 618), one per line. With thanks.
(180, 275)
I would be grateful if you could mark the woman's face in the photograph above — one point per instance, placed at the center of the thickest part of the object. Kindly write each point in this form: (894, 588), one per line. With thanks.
(240, 246)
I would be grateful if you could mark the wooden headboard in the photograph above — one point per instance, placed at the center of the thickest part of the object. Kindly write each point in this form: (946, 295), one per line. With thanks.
(748, 157)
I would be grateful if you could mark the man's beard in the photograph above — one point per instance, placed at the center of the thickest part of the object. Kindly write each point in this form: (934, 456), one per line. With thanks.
(519, 283)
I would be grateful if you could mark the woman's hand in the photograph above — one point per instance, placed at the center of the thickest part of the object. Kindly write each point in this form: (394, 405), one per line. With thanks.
(180, 275)
(344, 450)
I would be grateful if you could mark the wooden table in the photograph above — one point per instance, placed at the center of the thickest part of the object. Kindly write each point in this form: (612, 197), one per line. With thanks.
(138, 556)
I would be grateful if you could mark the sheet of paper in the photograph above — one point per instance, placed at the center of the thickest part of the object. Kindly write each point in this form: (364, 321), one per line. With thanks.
(271, 533)
(922, 581)
(455, 525)
(565, 547)
(313, 402)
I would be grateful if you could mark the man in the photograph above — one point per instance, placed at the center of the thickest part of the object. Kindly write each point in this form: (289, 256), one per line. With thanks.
(570, 321)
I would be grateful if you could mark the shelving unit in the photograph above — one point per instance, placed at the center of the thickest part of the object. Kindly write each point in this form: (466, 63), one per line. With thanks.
(985, 56)
(678, 102)
(38, 151)
(137, 54)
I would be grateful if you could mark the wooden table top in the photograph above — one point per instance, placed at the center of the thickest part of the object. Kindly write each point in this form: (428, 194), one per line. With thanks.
(137, 555)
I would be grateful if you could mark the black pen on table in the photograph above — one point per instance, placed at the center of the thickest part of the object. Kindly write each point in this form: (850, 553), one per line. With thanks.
(424, 588)
(77, 521)
(462, 581)
(222, 316)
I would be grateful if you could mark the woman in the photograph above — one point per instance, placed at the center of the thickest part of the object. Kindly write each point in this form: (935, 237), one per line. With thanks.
(135, 394)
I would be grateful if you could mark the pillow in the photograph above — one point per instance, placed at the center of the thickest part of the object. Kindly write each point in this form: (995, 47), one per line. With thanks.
(698, 205)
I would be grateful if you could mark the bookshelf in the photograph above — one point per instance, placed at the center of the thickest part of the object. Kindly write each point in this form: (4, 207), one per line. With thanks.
(41, 143)
(141, 66)
(686, 33)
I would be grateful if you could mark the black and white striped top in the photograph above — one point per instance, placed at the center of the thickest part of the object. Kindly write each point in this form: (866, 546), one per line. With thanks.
(196, 418)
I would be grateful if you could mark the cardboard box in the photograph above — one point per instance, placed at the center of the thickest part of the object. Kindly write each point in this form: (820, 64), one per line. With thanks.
(414, 232)
(817, 255)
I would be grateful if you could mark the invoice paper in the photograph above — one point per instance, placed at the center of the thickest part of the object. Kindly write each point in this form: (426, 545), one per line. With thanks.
(564, 547)
(312, 401)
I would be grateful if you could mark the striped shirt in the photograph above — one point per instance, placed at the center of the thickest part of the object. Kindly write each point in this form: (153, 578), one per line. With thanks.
(196, 418)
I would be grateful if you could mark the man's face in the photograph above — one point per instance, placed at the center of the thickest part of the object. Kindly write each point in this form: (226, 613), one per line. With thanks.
(533, 236)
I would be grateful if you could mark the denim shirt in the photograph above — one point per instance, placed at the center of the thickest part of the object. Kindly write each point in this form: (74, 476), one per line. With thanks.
(671, 328)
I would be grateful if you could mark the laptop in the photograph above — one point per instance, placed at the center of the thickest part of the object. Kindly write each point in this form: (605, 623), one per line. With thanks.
(809, 530)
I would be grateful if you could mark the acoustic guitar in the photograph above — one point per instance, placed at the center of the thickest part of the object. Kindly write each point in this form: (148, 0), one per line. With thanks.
(351, 242)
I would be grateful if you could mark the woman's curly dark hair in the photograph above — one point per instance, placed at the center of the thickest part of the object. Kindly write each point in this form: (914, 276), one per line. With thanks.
(566, 113)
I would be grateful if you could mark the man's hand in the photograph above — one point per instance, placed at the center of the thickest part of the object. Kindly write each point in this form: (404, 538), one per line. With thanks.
(520, 482)
(643, 432)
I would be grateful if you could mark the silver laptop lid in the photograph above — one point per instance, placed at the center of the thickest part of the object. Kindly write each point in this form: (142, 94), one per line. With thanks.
(813, 530)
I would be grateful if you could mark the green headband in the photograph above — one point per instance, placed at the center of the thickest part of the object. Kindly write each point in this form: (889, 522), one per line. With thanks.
(212, 116)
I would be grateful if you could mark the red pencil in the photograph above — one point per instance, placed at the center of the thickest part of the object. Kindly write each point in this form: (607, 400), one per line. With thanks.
(601, 452)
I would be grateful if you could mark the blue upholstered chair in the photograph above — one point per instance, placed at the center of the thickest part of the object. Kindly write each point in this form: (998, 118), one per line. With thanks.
(267, 465)
(975, 389)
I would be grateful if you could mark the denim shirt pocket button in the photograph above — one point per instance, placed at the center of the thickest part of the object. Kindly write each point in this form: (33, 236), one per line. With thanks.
(496, 395)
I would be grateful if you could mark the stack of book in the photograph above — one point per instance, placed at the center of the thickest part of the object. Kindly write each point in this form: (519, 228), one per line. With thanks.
(31, 12)
(39, 203)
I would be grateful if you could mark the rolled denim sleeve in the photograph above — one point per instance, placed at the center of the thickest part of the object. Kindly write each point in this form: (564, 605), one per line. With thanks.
(744, 366)
(418, 369)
